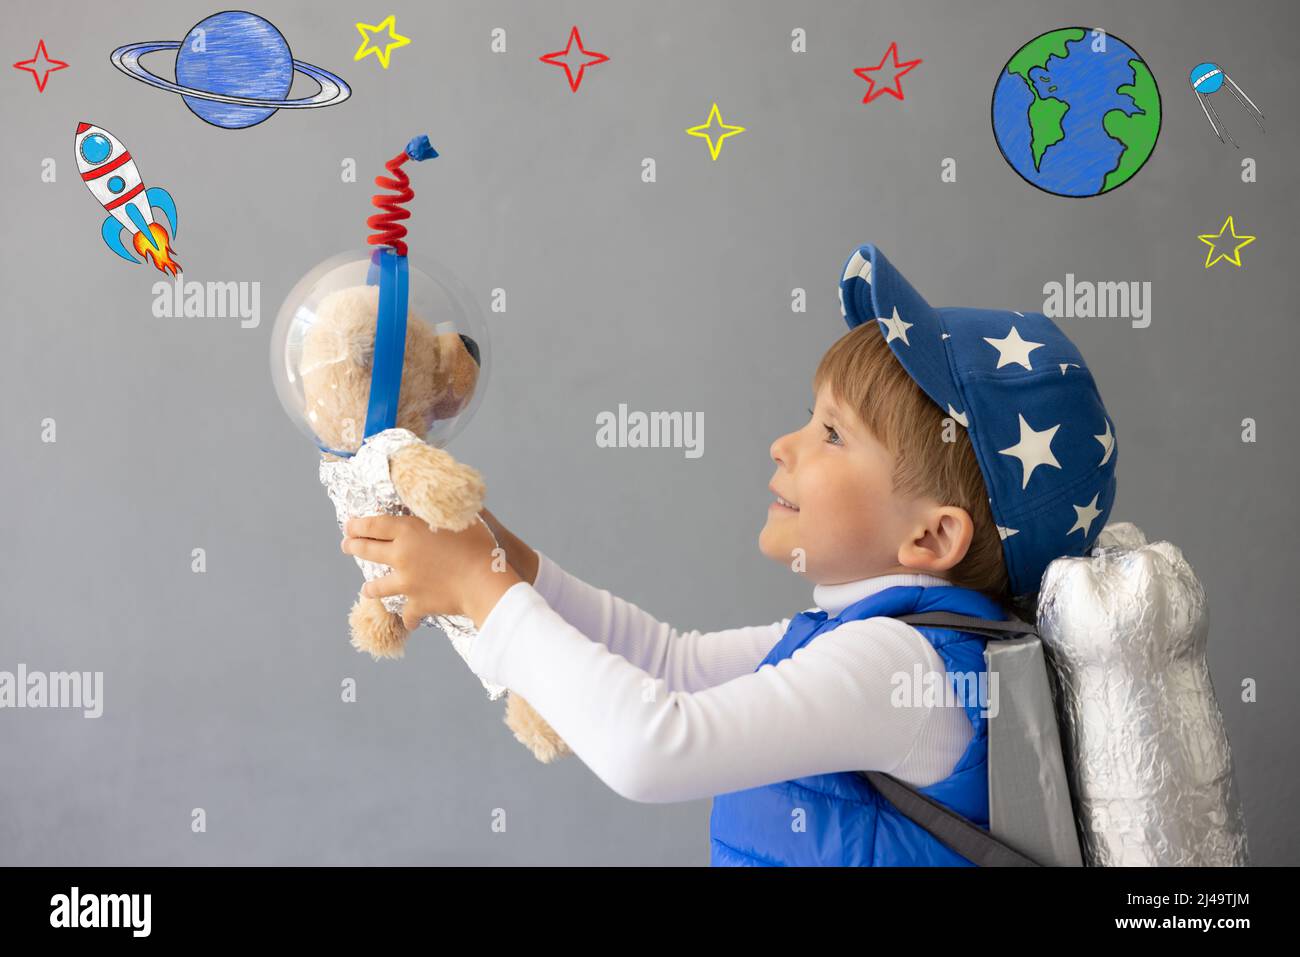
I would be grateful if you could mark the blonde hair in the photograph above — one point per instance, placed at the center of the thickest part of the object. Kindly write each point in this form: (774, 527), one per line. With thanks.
(866, 377)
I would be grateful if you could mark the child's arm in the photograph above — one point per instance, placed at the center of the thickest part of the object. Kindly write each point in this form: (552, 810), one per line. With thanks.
(826, 708)
(521, 558)
(687, 661)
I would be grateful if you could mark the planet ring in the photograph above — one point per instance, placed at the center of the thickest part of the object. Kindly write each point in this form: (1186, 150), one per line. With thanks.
(333, 89)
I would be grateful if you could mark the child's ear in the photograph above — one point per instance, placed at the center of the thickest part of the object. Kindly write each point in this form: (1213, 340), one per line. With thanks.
(940, 541)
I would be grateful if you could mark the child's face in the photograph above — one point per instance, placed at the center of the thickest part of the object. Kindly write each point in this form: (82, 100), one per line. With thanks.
(848, 523)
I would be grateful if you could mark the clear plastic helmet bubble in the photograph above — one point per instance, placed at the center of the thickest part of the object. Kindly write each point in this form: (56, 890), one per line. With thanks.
(335, 359)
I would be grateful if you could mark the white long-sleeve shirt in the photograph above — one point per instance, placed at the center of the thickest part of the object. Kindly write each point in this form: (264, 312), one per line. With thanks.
(660, 715)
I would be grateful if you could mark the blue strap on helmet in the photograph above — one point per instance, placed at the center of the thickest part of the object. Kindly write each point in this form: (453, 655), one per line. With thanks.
(389, 271)
(390, 344)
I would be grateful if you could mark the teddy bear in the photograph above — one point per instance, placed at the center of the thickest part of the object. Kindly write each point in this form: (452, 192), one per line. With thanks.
(395, 471)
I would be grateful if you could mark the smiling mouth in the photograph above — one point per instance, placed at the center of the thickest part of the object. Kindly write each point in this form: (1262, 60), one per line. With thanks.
(784, 505)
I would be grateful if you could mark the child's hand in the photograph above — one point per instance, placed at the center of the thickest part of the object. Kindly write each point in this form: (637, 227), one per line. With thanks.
(440, 573)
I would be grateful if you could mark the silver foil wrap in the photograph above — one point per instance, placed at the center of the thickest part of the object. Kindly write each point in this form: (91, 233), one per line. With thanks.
(361, 486)
(1151, 772)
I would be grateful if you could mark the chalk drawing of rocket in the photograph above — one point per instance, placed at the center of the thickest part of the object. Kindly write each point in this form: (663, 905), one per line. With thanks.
(111, 175)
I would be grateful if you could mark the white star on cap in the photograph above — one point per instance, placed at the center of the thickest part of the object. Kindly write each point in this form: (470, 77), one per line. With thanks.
(1013, 349)
(859, 266)
(1107, 441)
(841, 292)
(1033, 449)
(1088, 512)
(1066, 365)
(1005, 533)
(959, 416)
(897, 328)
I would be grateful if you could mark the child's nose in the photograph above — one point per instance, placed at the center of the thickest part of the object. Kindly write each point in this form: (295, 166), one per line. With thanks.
(780, 450)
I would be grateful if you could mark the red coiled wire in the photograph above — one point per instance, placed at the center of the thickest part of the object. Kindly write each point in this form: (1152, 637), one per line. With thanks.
(388, 223)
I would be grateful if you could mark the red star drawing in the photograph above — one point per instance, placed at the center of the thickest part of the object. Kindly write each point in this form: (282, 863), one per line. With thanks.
(896, 89)
(561, 58)
(40, 66)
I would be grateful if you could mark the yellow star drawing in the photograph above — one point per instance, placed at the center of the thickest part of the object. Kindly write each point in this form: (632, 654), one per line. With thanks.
(395, 40)
(703, 130)
(1213, 256)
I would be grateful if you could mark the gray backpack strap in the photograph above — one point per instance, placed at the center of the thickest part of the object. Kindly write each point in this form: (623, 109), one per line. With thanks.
(954, 831)
(969, 840)
(1010, 628)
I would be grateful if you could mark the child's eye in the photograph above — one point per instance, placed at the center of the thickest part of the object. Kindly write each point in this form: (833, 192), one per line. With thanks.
(830, 431)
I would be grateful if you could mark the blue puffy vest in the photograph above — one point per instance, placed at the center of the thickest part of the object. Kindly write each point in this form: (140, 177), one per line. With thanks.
(845, 821)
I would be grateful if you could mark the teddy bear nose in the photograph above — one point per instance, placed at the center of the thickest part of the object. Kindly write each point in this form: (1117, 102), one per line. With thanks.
(472, 348)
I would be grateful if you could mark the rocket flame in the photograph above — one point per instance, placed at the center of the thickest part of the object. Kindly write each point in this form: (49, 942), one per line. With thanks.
(157, 251)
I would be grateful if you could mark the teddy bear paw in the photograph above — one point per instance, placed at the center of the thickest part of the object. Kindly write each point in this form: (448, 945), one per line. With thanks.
(376, 630)
(532, 731)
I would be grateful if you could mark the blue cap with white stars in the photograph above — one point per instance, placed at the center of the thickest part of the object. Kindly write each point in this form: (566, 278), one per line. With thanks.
(1026, 399)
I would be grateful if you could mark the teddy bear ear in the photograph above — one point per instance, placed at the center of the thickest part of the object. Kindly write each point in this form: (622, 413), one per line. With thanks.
(344, 330)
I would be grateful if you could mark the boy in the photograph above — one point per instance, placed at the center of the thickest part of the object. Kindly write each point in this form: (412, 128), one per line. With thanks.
(951, 455)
